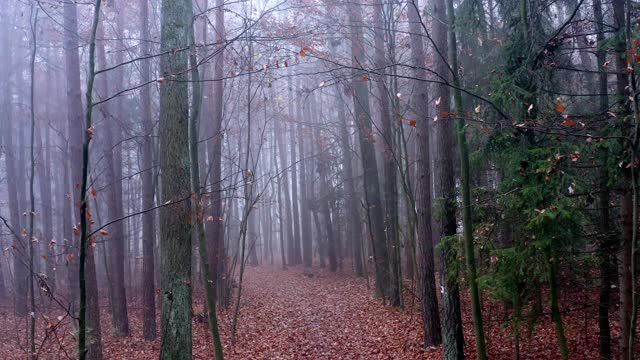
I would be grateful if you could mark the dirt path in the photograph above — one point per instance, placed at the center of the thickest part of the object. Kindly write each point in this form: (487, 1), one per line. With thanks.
(287, 315)
(327, 316)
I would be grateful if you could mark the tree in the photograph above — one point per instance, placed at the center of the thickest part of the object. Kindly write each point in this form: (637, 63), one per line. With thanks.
(113, 194)
(427, 279)
(445, 193)
(89, 333)
(469, 247)
(197, 212)
(148, 231)
(363, 122)
(19, 248)
(389, 163)
(175, 217)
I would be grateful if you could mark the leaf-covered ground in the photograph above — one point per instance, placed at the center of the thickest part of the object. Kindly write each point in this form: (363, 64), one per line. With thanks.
(287, 315)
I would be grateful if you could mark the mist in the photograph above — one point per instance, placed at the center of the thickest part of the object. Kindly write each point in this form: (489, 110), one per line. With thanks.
(292, 179)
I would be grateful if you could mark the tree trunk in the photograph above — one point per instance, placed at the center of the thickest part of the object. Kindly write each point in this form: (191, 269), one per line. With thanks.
(467, 222)
(89, 333)
(216, 229)
(291, 249)
(19, 249)
(445, 193)
(279, 197)
(294, 179)
(113, 195)
(120, 251)
(427, 278)
(389, 163)
(363, 121)
(325, 199)
(626, 213)
(608, 242)
(74, 134)
(305, 215)
(44, 174)
(355, 222)
(197, 212)
(148, 230)
(175, 217)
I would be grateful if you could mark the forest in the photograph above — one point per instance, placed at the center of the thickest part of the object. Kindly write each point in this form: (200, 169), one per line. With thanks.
(319, 179)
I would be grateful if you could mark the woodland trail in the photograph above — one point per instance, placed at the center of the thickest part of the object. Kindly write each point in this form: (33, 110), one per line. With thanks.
(287, 315)
(326, 316)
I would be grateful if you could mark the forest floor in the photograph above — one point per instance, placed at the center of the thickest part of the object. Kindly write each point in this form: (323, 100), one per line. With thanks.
(287, 315)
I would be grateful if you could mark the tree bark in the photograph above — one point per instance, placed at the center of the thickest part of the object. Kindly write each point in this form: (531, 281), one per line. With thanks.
(426, 276)
(445, 192)
(148, 230)
(113, 196)
(465, 187)
(608, 242)
(371, 180)
(74, 134)
(355, 222)
(294, 179)
(175, 217)
(19, 249)
(305, 215)
(390, 185)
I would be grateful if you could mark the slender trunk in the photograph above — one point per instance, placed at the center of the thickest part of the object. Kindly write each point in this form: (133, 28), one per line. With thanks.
(89, 337)
(427, 279)
(626, 213)
(305, 215)
(445, 194)
(363, 121)
(217, 249)
(325, 199)
(389, 163)
(32, 176)
(552, 258)
(295, 218)
(291, 249)
(197, 213)
(355, 222)
(148, 231)
(118, 236)
(113, 189)
(607, 243)
(247, 182)
(279, 194)
(467, 222)
(45, 180)
(74, 134)
(19, 250)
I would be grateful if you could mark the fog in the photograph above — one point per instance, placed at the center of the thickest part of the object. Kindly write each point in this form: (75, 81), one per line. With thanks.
(208, 178)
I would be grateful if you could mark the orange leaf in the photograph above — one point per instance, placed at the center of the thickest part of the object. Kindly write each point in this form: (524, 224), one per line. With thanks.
(444, 113)
(559, 106)
(69, 258)
(412, 123)
(305, 50)
(365, 78)
(568, 122)
(44, 256)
